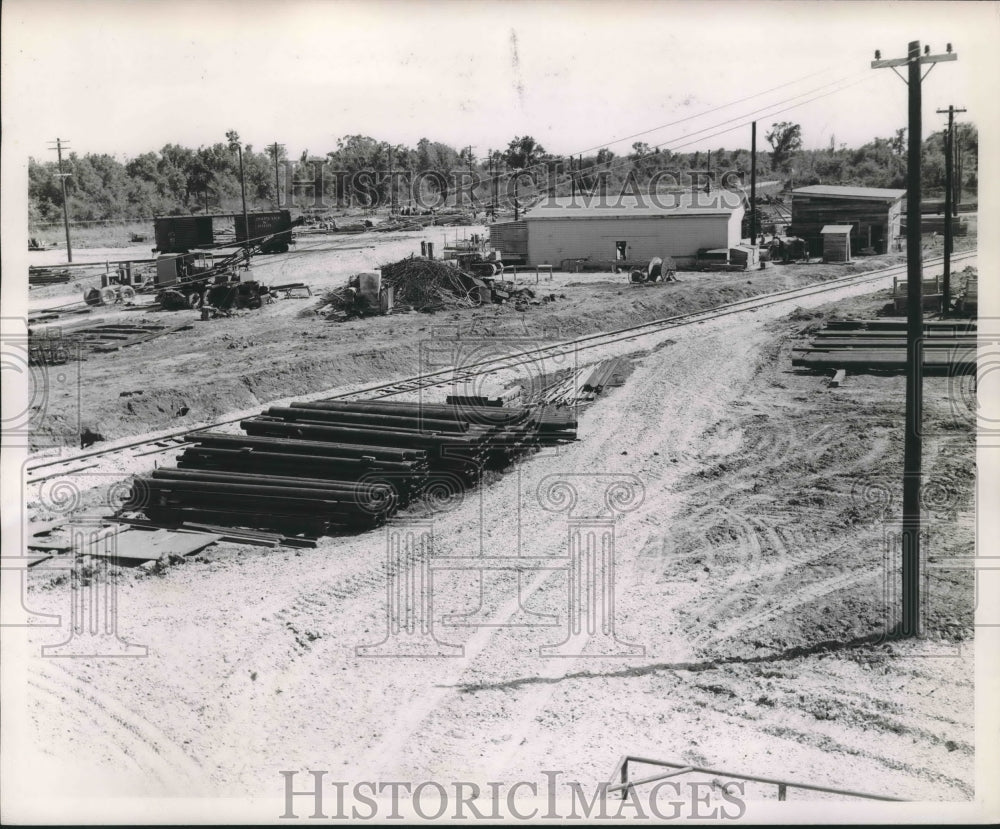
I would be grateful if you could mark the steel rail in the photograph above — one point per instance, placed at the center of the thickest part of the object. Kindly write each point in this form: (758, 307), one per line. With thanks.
(620, 782)
(491, 365)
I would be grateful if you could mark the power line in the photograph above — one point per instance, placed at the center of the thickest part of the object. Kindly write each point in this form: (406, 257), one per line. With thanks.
(729, 120)
(716, 109)
(672, 144)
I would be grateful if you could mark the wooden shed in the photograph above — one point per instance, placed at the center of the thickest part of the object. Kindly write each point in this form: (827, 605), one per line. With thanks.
(874, 215)
(836, 243)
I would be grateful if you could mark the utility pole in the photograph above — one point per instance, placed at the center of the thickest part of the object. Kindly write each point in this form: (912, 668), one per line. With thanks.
(471, 175)
(392, 189)
(62, 183)
(957, 141)
(950, 208)
(493, 183)
(235, 143)
(753, 182)
(277, 182)
(572, 182)
(909, 624)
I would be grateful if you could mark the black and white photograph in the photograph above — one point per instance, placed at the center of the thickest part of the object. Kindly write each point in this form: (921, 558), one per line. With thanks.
(499, 412)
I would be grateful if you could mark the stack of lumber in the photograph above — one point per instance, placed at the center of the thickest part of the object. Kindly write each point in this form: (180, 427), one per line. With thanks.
(880, 345)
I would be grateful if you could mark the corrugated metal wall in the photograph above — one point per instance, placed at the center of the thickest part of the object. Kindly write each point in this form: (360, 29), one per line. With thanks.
(552, 240)
(510, 238)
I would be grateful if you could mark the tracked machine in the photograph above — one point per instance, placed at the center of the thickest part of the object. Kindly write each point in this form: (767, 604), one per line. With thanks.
(196, 279)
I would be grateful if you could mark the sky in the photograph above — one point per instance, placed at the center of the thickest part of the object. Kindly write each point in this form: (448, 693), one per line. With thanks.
(128, 77)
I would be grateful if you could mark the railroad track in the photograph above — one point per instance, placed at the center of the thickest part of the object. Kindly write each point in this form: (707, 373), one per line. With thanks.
(43, 470)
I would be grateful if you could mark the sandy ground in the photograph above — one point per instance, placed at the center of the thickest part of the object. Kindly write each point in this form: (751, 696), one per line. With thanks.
(220, 366)
(751, 585)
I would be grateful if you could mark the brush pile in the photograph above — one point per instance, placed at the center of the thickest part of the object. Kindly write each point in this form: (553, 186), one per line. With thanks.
(420, 284)
(428, 284)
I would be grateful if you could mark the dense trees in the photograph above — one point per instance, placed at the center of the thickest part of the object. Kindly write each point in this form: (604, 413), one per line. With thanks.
(180, 180)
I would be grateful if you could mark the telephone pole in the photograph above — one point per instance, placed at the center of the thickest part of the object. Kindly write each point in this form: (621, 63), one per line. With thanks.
(493, 187)
(957, 141)
(392, 189)
(277, 182)
(950, 208)
(235, 144)
(62, 183)
(909, 623)
(753, 182)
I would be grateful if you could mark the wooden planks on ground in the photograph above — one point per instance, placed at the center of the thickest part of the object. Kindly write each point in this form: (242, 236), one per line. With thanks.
(137, 545)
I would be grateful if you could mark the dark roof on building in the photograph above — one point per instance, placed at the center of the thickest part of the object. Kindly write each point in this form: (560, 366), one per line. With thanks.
(832, 191)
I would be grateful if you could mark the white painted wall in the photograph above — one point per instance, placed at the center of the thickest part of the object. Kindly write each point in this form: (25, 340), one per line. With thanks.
(677, 235)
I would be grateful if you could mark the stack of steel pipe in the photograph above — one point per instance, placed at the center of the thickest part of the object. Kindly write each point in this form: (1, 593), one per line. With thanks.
(338, 465)
(947, 347)
(602, 375)
(175, 496)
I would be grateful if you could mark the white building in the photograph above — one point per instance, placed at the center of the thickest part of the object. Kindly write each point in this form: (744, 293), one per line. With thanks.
(549, 236)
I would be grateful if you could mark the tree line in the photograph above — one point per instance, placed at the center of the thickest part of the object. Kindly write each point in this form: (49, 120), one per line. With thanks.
(178, 180)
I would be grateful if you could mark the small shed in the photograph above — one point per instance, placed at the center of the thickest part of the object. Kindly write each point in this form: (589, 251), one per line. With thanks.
(874, 214)
(836, 243)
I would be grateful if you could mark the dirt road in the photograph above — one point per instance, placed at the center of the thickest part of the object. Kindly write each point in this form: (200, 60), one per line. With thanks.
(747, 605)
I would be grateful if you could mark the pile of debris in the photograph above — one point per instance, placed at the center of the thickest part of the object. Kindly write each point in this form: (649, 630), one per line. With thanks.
(429, 219)
(417, 283)
(429, 284)
(335, 466)
(424, 284)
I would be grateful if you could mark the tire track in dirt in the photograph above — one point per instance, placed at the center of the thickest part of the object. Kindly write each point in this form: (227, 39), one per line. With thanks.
(604, 424)
(153, 751)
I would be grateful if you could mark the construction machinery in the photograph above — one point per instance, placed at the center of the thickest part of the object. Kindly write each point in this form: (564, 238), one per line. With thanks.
(788, 249)
(109, 295)
(739, 258)
(187, 278)
(118, 287)
(477, 264)
(369, 296)
(657, 269)
(195, 279)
